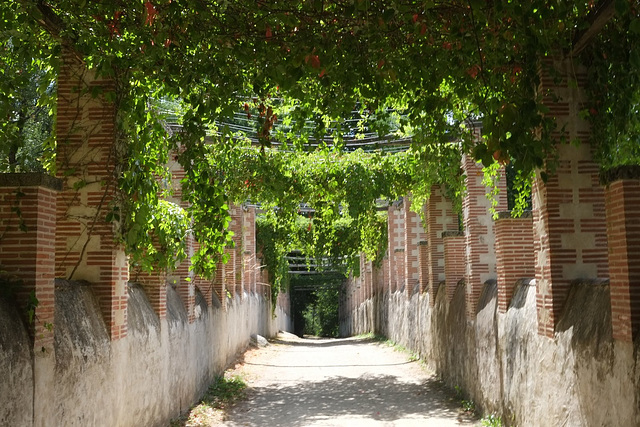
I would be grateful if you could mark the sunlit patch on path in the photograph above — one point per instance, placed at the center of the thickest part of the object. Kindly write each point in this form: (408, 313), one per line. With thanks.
(345, 382)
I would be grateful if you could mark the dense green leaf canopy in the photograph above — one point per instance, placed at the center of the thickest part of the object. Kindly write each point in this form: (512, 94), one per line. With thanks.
(443, 64)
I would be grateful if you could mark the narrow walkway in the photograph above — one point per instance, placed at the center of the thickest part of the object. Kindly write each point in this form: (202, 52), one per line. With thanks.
(346, 382)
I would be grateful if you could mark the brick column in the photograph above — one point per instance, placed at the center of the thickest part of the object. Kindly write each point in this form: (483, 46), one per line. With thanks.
(454, 260)
(155, 286)
(27, 246)
(423, 262)
(230, 272)
(237, 225)
(623, 228)
(378, 279)
(396, 245)
(478, 228)
(569, 226)
(87, 161)
(398, 262)
(440, 217)
(250, 266)
(386, 263)
(219, 285)
(514, 254)
(414, 234)
(181, 277)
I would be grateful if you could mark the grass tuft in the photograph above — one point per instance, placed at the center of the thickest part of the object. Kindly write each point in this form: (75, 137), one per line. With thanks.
(221, 395)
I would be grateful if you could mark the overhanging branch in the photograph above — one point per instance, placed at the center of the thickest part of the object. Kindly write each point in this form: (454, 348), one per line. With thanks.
(605, 10)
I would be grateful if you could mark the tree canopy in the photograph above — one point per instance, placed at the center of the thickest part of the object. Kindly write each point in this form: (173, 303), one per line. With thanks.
(443, 65)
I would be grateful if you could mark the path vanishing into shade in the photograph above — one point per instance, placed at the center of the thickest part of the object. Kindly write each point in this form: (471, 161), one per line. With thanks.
(340, 382)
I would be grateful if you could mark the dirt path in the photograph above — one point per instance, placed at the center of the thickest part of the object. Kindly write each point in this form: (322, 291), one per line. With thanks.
(346, 382)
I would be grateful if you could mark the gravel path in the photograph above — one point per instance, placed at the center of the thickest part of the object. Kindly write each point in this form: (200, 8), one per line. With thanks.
(340, 382)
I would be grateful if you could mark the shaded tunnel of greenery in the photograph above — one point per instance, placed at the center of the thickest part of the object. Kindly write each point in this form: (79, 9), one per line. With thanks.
(315, 300)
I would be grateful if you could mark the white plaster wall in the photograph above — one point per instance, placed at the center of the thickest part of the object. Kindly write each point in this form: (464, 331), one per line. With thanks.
(16, 372)
(581, 377)
(160, 369)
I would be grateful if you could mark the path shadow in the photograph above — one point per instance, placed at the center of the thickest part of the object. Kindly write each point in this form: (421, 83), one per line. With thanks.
(376, 397)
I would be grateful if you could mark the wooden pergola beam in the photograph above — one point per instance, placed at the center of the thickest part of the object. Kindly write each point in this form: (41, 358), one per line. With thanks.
(604, 11)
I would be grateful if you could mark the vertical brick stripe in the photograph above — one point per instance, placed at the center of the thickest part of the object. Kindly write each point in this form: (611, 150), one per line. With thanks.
(413, 235)
(515, 258)
(85, 246)
(29, 254)
(623, 227)
(569, 226)
(440, 217)
(250, 266)
(479, 233)
(454, 261)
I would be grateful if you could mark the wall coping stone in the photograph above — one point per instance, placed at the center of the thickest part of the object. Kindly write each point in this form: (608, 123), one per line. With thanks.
(30, 179)
(451, 233)
(619, 173)
(507, 215)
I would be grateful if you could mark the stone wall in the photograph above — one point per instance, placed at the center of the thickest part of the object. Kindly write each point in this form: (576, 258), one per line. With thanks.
(581, 377)
(159, 369)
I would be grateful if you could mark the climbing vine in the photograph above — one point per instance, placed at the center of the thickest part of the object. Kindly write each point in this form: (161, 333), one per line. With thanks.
(441, 67)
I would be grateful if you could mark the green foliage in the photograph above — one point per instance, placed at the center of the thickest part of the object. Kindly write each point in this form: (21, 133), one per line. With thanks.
(163, 245)
(491, 420)
(225, 391)
(208, 208)
(271, 244)
(26, 87)
(614, 90)
(320, 306)
(437, 66)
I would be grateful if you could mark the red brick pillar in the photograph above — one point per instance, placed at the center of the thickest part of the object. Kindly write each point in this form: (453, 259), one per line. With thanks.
(230, 272)
(414, 234)
(155, 286)
(236, 226)
(515, 258)
(378, 279)
(479, 233)
(87, 161)
(454, 260)
(440, 217)
(623, 228)
(396, 245)
(569, 227)
(385, 277)
(219, 285)
(182, 278)
(423, 262)
(27, 246)
(398, 262)
(250, 266)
